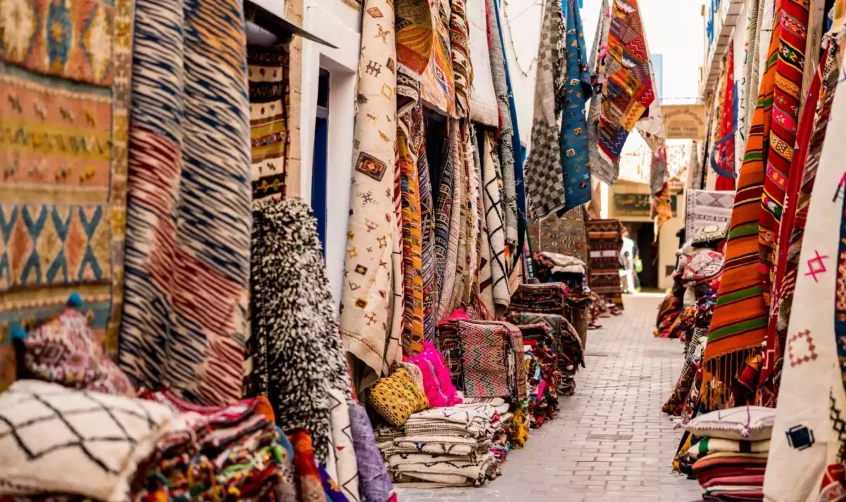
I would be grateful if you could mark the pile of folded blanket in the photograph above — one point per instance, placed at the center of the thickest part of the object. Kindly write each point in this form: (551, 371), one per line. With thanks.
(452, 446)
(547, 298)
(729, 452)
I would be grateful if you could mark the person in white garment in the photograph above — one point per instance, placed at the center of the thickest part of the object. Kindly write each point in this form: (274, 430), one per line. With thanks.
(628, 255)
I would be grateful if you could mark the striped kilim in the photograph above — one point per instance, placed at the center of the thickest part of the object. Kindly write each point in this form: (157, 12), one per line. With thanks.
(412, 235)
(604, 243)
(490, 362)
(739, 324)
(188, 213)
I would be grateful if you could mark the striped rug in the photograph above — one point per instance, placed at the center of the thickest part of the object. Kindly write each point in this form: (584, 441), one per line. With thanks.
(739, 325)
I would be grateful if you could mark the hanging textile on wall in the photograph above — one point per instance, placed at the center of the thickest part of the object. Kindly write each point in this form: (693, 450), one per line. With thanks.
(544, 177)
(443, 220)
(188, 217)
(767, 18)
(63, 213)
(452, 225)
(460, 50)
(658, 171)
(748, 85)
(367, 269)
(267, 69)
(799, 193)
(604, 171)
(427, 224)
(483, 105)
(438, 84)
(811, 390)
(565, 235)
(506, 131)
(816, 14)
(605, 240)
(574, 140)
(725, 148)
(298, 359)
(739, 324)
(408, 145)
(491, 186)
(628, 90)
(706, 208)
(458, 230)
(414, 40)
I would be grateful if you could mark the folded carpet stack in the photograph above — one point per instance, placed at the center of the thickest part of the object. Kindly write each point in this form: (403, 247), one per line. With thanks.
(544, 375)
(546, 298)
(567, 344)
(72, 444)
(728, 454)
(451, 446)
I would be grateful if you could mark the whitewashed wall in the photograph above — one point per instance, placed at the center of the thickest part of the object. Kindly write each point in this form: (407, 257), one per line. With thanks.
(339, 24)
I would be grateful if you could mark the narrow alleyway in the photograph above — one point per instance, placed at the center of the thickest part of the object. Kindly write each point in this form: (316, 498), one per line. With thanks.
(610, 441)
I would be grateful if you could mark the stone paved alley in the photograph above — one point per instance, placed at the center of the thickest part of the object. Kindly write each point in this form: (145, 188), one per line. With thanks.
(610, 442)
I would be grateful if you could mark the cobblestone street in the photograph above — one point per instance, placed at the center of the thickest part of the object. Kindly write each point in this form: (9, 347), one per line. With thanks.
(610, 441)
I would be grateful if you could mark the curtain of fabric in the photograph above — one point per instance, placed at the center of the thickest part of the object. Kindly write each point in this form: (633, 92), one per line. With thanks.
(188, 213)
(739, 324)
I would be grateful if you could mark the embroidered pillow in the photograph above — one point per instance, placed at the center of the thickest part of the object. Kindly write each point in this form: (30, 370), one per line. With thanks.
(746, 423)
(65, 351)
(396, 397)
(437, 380)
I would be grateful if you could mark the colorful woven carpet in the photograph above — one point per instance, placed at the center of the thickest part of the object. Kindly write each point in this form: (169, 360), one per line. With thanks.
(438, 83)
(565, 235)
(604, 243)
(188, 218)
(62, 208)
(628, 90)
(489, 352)
(460, 49)
(267, 72)
(739, 324)
(408, 146)
(575, 159)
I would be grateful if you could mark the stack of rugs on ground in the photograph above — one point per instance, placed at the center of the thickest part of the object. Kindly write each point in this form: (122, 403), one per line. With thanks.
(69, 444)
(544, 373)
(460, 445)
(605, 239)
(572, 272)
(728, 452)
(547, 304)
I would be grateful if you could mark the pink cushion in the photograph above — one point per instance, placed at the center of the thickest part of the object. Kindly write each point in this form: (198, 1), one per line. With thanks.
(437, 381)
(65, 351)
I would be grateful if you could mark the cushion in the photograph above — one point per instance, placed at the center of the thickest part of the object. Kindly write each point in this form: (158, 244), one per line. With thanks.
(396, 397)
(703, 266)
(65, 351)
(59, 440)
(437, 380)
(747, 423)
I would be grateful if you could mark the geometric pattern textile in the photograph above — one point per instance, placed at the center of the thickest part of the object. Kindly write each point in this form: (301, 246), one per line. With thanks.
(188, 219)
(63, 199)
(811, 385)
(603, 170)
(61, 440)
(574, 140)
(373, 221)
(739, 324)
(544, 176)
(706, 208)
(267, 71)
(565, 235)
(628, 90)
(604, 243)
(438, 82)
(491, 355)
